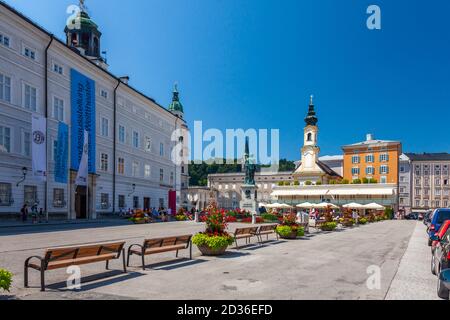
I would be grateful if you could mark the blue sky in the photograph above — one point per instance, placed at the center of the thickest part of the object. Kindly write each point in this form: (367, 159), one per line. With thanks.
(254, 64)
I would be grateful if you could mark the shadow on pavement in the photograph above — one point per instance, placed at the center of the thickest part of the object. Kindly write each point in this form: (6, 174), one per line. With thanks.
(174, 264)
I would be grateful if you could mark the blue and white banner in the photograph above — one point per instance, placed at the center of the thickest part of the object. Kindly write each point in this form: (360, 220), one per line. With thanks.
(62, 153)
(83, 118)
(82, 175)
(39, 146)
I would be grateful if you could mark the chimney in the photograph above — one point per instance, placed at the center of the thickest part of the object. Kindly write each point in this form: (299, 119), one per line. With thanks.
(369, 137)
(125, 79)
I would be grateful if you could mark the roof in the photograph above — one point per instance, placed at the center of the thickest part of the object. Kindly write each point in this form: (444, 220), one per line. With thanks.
(51, 35)
(176, 105)
(328, 170)
(332, 158)
(443, 156)
(372, 143)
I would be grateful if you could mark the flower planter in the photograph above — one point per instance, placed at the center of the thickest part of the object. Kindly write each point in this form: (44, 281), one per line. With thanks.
(207, 251)
(291, 236)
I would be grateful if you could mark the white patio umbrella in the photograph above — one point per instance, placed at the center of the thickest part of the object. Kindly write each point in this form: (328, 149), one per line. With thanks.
(354, 205)
(262, 205)
(285, 206)
(305, 205)
(374, 206)
(273, 205)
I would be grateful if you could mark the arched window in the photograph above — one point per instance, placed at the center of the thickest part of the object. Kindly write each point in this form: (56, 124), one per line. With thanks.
(309, 137)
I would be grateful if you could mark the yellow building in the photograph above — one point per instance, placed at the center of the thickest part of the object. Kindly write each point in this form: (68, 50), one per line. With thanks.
(373, 160)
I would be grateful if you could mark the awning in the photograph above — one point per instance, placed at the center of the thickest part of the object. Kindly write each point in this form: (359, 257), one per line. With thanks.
(334, 192)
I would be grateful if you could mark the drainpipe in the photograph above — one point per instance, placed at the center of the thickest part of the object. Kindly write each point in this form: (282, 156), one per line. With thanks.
(46, 120)
(114, 145)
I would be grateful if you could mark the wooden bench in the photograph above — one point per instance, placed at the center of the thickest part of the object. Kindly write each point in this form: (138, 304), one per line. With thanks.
(58, 258)
(160, 245)
(245, 233)
(267, 230)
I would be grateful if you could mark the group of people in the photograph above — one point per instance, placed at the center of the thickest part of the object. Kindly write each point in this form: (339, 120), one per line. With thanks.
(37, 216)
(161, 213)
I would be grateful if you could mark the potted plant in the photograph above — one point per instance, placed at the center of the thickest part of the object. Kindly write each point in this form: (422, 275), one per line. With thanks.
(363, 221)
(5, 280)
(289, 228)
(328, 226)
(215, 240)
(140, 217)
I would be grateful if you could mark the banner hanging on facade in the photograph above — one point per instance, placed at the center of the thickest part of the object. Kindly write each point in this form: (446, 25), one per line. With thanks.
(39, 146)
(62, 153)
(82, 175)
(83, 118)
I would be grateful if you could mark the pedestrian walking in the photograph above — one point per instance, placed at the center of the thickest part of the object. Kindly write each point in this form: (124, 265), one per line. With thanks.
(24, 212)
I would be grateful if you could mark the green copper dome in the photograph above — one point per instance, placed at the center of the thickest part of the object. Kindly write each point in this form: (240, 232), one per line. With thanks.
(82, 22)
(311, 118)
(176, 105)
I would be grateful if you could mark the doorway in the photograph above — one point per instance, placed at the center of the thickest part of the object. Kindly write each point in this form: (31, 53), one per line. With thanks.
(81, 202)
(146, 204)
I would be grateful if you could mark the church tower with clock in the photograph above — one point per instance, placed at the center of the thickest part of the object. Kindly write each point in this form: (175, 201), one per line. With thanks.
(311, 169)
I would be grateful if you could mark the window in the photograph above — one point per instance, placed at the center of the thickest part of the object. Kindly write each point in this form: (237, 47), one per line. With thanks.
(384, 157)
(105, 127)
(57, 69)
(136, 202)
(161, 149)
(147, 171)
(427, 182)
(58, 198)
(104, 94)
(171, 178)
(370, 158)
(309, 137)
(402, 190)
(426, 203)
(122, 204)
(383, 179)
(135, 169)
(4, 40)
(29, 101)
(148, 144)
(417, 203)
(355, 159)
(104, 162)
(121, 134)
(26, 144)
(5, 88)
(355, 171)
(58, 109)
(417, 182)
(161, 175)
(121, 166)
(438, 204)
(402, 201)
(29, 53)
(30, 195)
(384, 170)
(370, 170)
(135, 139)
(161, 202)
(402, 169)
(438, 192)
(5, 139)
(104, 201)
(5, 194)
(417, 192)
(438, 182)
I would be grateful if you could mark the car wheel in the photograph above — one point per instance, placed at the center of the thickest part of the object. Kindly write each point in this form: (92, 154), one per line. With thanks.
(442, 291)
(433, 265)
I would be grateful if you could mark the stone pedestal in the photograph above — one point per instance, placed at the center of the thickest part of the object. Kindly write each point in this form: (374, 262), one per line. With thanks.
(249, 200)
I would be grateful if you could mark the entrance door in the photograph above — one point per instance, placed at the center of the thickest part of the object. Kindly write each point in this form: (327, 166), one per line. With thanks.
(81, 202)
(146, 203)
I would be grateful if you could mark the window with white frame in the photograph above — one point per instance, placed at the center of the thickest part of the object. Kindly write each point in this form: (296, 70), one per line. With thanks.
(121, 165)
(4, 40)
(58, 198)
(104, 94)
(438, 192)
(58, 109)
(135, 169)
(5, 88)
(30, 97)
(105, 127)
(29, 53)
(370, 170)
(417, 203)
(418, 192)
(355, 171)
(104, 162)
(384, 157)
(104, 201)
(58, 69)
(437, 182)
(161, 175)
(355, 159)
(135, 139)
(438, 204)
(147, 171)
(161, 149)
(370, 158)
(26, 143)
(121, 134)
(5, 194)
(384, 170)
(5, 139)
(171, 178)
(148, 144)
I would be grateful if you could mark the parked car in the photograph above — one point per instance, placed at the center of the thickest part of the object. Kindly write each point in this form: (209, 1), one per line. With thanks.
(412, 216)
(437, 219)
(421, 216)
(439, 235)
(444, 278)
(442, 262)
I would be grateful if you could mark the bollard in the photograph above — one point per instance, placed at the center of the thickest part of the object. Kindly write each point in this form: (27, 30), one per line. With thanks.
(196, 217)
(254, 218)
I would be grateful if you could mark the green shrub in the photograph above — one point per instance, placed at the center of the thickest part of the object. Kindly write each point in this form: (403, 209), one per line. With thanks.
(328, 226)
(5, 280)
(212, 242)
(373, 181)
(389, 213)
(318, 183)
(300, 232)
(280, 183)
(332, 182)
(308, 183)
(269, 217)
(345, 181)
(365, 180)
(284, 231)
(296, 183)
(363, 221)
(356, 181)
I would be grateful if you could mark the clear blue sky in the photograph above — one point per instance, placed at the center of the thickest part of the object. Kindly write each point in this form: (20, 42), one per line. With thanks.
(254, 63)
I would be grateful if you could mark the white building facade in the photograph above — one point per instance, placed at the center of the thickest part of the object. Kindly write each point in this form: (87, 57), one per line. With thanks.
(133, 134)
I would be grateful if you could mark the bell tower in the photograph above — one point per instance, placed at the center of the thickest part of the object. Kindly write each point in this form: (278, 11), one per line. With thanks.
(82, 34)
(310, 150)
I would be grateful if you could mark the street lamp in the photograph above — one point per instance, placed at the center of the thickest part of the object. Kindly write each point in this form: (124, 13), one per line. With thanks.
(24, 176)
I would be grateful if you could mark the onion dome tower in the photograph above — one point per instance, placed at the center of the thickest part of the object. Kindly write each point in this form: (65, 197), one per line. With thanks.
(176, 107)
